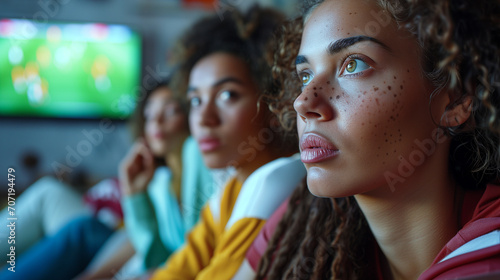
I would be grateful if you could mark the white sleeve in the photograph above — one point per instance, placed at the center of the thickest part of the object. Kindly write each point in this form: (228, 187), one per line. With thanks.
(266, 188)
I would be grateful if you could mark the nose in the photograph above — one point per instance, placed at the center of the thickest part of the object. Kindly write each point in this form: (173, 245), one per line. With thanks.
(157, 118)
(314, 103)
(209, 115)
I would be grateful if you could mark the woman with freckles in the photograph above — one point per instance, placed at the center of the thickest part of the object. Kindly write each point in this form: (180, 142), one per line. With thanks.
(398, 126)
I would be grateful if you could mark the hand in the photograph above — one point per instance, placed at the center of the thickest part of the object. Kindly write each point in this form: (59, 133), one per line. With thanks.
(137, 169)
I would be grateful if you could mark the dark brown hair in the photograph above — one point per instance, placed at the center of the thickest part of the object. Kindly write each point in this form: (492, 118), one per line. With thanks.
(138, 120)
(281, 56)
(321, 238)
(247, 36)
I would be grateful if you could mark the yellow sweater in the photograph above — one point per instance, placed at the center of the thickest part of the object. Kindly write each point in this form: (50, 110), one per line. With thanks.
(230, 222)
(212, 251)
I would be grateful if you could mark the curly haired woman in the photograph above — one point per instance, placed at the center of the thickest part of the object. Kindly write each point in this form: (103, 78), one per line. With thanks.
(228, 81)
(399, 132)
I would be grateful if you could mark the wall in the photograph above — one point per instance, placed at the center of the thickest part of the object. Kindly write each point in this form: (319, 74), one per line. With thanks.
(63, 145)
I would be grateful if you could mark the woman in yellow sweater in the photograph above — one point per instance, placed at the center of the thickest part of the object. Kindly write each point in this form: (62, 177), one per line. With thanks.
(226, 76)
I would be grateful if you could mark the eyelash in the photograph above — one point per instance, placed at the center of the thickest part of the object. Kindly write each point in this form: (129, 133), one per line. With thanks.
(232, 96)
(301, 76)
(351, 57)
(190, 101)
(345, 60)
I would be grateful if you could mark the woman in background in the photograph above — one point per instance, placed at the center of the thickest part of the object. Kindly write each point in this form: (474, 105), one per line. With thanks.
(151, 190)
(161, 203)
(164, 184)
(226, 76)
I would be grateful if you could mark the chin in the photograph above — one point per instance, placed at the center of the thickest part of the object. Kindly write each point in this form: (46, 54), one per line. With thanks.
(317, 192)
(318, 185)
(159, 151)
(322, 184)
(317, 181)
(213, 162)
(328, 190)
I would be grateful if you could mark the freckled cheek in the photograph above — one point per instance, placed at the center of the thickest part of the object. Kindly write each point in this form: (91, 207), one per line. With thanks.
(374, 123)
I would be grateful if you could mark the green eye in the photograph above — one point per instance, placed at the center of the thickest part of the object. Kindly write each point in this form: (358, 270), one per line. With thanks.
(305, 78)
(356, 65)
(351, 67)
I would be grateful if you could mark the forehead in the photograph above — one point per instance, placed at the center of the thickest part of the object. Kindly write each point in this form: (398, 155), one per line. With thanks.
(160, 96)
(336, 19)
(216, 66)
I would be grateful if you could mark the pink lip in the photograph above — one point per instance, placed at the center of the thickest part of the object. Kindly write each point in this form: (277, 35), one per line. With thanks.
(314, 149)
(209, 144)
(159, 135)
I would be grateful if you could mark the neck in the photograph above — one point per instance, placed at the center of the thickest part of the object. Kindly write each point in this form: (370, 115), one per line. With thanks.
(413, 223)
(248, 167)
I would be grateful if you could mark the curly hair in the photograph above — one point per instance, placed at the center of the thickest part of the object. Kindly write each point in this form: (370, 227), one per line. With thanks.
(313, 253)
(281, 57)
(460, 46)
(460, 42)
(248, 36)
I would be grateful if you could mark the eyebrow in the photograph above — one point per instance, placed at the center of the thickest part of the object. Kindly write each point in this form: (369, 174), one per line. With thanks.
(345, 43)
(301, 59)
(342, 44)
(221, 82)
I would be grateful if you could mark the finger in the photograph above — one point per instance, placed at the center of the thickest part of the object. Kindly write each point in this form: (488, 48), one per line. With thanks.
(147, 155)
(132, 160)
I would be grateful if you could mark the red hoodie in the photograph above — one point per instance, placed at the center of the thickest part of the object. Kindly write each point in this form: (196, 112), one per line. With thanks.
(480, 229)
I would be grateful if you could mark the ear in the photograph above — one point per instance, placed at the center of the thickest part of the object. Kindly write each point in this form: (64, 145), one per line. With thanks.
(458, 114)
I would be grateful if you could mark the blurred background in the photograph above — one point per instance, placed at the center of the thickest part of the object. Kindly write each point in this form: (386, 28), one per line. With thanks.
(71, 71)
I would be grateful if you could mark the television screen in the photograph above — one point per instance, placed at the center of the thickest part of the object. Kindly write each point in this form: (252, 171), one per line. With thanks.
(68, 70)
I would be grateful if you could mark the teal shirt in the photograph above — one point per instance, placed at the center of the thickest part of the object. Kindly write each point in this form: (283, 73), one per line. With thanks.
(155, 222)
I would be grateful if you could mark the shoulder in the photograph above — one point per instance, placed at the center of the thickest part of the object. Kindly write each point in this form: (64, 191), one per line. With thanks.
(480, 214)
(191, 151)
(485, 216)
(475, 249)
(266, 188)
(197, 180)
(259, 246)
(189, 145)
(161, 177)
(223, 199)
(476, 259)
